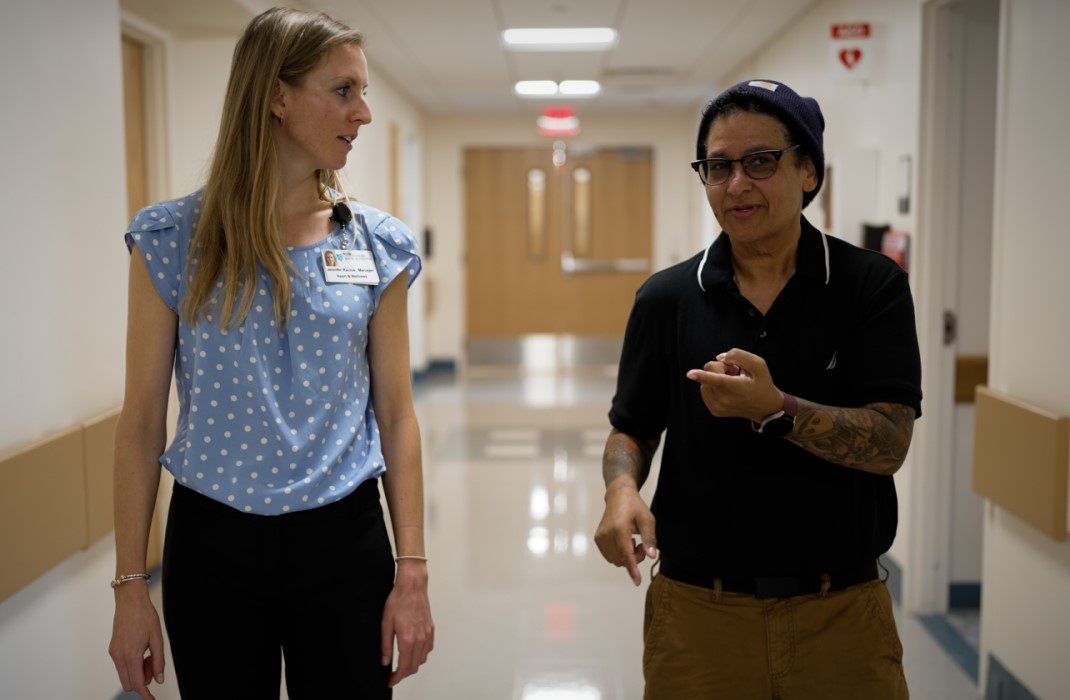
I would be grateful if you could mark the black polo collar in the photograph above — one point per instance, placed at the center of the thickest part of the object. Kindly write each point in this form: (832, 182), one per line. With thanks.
(812, 259)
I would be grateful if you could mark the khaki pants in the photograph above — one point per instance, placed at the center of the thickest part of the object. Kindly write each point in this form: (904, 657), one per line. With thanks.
(706, 645)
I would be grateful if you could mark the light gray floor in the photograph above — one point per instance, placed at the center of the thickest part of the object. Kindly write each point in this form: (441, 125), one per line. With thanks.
(524, 606)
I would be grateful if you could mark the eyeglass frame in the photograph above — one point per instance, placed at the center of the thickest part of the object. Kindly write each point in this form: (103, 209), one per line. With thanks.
(776, 153)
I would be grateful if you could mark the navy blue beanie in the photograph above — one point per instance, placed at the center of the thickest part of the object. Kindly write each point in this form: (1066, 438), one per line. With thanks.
(801, 115)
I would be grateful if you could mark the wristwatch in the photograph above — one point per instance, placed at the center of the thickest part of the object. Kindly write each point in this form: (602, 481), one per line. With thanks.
(780, 423)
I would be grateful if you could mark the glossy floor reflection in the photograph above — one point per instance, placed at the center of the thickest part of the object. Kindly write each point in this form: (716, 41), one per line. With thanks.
(525, 607)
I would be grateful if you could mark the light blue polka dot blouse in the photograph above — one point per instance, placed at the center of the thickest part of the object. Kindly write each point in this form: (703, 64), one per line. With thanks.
(273, 422)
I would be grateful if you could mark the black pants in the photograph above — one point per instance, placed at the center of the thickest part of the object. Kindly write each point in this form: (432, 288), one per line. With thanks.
(240, 591)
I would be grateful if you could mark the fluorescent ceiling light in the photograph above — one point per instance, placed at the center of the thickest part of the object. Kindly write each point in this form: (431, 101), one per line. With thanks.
(536, 88)
(548, 88)
(579, 88)
(562, 39)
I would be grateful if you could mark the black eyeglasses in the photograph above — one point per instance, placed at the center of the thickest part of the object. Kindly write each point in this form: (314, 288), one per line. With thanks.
(758, 166)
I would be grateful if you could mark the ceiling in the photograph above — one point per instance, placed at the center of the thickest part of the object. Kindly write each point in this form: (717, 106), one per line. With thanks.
(447, 55)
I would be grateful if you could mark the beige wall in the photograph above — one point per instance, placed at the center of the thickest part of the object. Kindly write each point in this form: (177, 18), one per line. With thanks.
(1025, 617)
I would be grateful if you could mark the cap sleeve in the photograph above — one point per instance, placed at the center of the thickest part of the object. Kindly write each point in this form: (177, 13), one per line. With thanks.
(394, 249)
(156, 232)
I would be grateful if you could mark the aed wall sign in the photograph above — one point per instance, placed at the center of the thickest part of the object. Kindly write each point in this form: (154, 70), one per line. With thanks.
(851, 48)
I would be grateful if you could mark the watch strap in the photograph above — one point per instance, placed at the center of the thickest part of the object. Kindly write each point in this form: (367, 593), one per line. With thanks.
(791, 405)
(788, 412)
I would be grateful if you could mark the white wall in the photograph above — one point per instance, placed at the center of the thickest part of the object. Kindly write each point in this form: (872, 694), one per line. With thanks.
(368, 178)
(677, 226)
(878, 118)
(63, 281)
(1025, 619)
(63, 193)
(198, 72)
(63, 189)
(972, 258)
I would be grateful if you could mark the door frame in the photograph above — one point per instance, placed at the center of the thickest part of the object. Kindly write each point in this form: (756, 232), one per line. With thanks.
(927, 574)
(156, 92)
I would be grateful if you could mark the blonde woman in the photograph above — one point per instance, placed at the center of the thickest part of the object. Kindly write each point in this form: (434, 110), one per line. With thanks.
(294, 399)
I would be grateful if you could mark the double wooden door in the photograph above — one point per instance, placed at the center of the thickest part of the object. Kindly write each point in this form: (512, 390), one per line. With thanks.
(556, 241)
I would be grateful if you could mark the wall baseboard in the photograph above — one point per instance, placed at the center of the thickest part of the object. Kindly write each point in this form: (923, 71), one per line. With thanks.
(963, 596)
(895, 579)
(953, 643)
(1002, 685)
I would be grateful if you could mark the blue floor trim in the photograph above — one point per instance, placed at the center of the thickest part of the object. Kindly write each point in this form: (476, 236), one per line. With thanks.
(964, 595)
(437, 373)
(1002, 685)
(442, 366)
(952, 642)
(895, 579)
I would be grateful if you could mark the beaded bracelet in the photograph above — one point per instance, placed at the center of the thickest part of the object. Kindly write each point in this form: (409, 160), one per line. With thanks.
(120, 580)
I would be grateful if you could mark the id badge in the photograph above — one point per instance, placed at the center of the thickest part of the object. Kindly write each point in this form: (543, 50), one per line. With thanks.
(349, 267)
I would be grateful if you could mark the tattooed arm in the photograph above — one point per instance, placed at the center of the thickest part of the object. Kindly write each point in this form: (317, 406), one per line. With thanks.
(873, 438)
(625, 468)
(625, 455)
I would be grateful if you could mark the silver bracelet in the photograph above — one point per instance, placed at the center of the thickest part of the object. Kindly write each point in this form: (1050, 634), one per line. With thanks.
(120, 580)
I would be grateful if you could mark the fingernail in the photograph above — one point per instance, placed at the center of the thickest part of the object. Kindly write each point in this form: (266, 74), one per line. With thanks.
(653, 553)
(159, 677)
(385, 660)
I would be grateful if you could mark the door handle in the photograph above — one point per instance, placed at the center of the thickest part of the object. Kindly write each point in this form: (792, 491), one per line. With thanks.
(571, 265)
(951, 327)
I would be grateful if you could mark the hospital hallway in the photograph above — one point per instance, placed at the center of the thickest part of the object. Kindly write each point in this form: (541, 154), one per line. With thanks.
(525, 608)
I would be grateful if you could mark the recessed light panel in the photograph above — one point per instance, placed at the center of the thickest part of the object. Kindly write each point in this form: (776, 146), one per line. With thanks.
(560, 39)
(536, 88)
(549, 88)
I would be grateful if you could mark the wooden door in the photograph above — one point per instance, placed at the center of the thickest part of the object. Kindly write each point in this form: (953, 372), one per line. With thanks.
(555, 247)
(137, 187)
(134, 115)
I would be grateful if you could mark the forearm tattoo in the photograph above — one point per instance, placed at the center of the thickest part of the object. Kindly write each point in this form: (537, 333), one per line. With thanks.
(874, 438)
(627, 455)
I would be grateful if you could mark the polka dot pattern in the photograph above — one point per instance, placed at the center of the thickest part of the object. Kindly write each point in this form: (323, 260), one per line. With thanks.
(273, 422)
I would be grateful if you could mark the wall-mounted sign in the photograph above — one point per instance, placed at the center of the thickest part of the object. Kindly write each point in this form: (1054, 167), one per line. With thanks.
(851, 48)
(558, 122)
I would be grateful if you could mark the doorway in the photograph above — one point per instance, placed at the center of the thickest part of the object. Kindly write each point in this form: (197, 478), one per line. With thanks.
(960, 63)
(557, 242)
(143, 132)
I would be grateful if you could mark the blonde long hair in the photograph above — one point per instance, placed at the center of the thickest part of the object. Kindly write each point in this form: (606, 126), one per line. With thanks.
(239, 224)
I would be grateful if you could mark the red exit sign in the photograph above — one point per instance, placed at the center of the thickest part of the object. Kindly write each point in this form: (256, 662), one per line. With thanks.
(851, 30)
